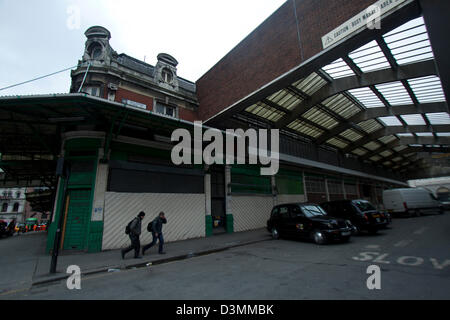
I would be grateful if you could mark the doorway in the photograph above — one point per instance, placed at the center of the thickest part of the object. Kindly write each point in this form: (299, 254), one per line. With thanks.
(76, 219)
(218, 198)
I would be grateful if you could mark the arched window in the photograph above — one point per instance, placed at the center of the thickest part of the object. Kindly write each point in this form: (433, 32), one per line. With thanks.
(5, 207)
(16, 207)
(166, 75)
(95, 50)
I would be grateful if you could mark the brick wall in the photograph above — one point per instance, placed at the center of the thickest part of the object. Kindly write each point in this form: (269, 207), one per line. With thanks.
(130, 95)
(272, 49)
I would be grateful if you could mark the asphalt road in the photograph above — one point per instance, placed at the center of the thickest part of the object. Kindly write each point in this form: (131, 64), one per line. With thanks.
(413, 256)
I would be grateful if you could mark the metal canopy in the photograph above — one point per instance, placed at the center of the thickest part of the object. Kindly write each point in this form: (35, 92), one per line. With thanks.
(382, 101)
(31, 128)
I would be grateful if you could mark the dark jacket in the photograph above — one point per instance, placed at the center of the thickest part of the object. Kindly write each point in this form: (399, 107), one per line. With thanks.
(135, 227)
(157, 224)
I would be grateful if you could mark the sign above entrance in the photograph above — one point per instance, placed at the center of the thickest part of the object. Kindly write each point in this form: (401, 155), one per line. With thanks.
(367, 18)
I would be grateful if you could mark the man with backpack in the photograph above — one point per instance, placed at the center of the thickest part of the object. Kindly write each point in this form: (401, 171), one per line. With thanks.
(155, 227)
(133, 229)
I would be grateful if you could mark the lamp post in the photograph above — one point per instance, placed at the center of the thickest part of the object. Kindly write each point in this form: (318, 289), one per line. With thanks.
(62, 170)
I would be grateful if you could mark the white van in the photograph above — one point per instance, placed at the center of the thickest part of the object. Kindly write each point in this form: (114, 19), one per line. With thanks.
(411, 201)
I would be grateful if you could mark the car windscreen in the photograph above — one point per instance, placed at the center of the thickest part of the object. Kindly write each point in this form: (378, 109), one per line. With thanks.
(364, 206)
(313, 211)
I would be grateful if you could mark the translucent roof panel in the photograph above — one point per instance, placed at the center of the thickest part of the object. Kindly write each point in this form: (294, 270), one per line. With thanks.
(424, 134)
(351, 135)
(370, 126)
(341, 105)
(386, 153)
(337, 143)
(375, 158)
(305, 128)
(427, 89)
(443, 134)
(397, 159)
(285, 99)
(264, 111)
(369, 57)
(390, 121)
(410, 43)
(338, 69)
(400, 148)
(387, 139)
(359, 152)
(395, 93)
(405, 135)
(387, 163)
(310, 84)
(438, 118)
(321, 118)
(372, 146)
(414, 119)
(366, 97)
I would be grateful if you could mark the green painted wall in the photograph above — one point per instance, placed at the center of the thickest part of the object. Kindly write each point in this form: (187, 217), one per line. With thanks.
(289, 182)
(82, 178)
(247, 179)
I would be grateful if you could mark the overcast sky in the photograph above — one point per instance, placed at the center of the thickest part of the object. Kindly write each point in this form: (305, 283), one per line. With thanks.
(38, 37)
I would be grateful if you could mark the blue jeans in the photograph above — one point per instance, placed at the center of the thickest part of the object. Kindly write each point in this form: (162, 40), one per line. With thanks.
(155, 239)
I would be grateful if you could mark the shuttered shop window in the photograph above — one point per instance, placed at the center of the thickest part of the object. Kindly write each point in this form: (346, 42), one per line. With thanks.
(315, 185)
(335, 187)
(289, 182)
(134, 181)
(248, 180)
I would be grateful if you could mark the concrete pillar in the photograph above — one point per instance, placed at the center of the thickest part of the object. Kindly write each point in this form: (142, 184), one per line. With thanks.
(304, 187)
(208, 217)
(326, 190)
(228, 211)
(274, 190)
(343, 190)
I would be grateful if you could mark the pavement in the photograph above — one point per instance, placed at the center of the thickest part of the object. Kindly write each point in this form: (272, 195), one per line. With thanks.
(24, 263)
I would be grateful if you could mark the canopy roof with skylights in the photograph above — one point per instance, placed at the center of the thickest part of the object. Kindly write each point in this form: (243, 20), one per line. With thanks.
(382, 102)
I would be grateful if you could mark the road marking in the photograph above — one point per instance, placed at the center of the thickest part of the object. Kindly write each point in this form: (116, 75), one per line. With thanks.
(403, 243)
(404, 260)
(373, 246)
(13, 291)
(420, 231)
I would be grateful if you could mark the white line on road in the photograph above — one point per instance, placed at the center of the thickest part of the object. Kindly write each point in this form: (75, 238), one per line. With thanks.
(403, 243)
(373, 246)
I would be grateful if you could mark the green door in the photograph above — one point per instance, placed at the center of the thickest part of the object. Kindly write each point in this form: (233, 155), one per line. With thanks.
(77, 220)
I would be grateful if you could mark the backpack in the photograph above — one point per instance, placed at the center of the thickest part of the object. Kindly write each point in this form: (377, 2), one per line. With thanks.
(150, 226)
(127, 228)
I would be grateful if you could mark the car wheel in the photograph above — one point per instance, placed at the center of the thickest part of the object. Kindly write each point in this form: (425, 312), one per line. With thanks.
(318, 237)
(345, 239)
(275, 234)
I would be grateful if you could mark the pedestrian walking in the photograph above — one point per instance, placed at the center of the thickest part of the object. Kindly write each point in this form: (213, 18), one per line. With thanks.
(156, 229)
(134, 232)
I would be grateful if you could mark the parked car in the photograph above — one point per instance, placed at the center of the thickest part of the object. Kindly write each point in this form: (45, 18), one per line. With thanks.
(307, 221)
(411, 202)
(362, 214)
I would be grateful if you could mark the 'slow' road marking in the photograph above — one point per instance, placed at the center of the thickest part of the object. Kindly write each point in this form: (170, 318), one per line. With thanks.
(420, 231)
(403, 243)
